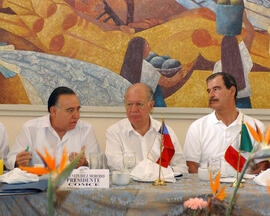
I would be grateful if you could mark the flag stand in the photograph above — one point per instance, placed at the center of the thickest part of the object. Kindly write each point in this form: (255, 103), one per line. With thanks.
(159, 181)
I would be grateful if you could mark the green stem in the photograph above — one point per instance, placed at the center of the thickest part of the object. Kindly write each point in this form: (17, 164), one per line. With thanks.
(50, 196)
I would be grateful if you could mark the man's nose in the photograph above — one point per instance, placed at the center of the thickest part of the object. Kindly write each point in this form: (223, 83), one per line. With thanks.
(76, 114)
(211, 93)
(134, 108)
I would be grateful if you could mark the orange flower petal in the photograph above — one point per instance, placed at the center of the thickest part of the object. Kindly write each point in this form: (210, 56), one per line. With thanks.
(49, 160)
(268, 186)
(211, 182)
(221, 194)
(217, 183)
(63, 160)
(267, 136)
(253, 132)
(36, 170)
(42, 157)
(259, 133)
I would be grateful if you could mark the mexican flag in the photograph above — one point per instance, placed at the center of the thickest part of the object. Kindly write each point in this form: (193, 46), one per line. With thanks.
(232, 155)
(245, 144)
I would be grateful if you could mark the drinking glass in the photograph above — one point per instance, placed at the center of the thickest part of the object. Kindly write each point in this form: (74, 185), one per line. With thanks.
(129, 160)
(96, 161)
(214, 165)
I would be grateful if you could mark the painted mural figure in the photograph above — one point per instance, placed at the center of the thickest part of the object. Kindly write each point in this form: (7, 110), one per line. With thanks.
(236, 60)
(136, 69)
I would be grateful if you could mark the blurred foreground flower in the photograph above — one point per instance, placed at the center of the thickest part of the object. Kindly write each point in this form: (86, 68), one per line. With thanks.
(195, 203)
(57, 175)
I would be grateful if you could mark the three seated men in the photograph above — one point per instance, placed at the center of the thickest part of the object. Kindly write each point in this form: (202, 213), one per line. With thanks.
(207, 137)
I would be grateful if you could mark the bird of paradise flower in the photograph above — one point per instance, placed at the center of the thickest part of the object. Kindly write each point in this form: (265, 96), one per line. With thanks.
(218, 194)
(264, 152)
(57, 175)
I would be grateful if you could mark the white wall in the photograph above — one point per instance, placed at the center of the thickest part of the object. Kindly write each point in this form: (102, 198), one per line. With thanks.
(13, 117)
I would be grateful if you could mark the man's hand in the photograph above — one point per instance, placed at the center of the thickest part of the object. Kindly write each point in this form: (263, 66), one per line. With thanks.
(23, 158)
(192, 167)
(82, 161)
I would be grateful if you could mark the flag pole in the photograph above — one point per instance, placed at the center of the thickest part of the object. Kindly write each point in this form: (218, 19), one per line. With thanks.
(239, 155)
(159, 181)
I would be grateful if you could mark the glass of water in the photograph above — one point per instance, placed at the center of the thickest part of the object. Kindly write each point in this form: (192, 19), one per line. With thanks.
(96, 161)
(214, 166)
(129, 160)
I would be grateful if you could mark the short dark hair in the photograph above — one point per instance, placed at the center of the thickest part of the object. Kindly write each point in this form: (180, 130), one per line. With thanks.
(228, 80)
(62, 90)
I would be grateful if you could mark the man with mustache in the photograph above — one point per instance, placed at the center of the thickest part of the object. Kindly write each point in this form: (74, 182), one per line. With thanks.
(210, 136)
(61, 127)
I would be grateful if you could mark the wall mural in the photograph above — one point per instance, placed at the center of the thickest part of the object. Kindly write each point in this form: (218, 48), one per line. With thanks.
(99, 47)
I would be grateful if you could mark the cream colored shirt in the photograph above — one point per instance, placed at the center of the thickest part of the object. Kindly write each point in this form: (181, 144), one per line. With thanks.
(121, 137)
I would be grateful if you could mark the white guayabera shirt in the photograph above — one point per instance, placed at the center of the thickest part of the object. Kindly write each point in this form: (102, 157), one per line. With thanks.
(121, 137)
(38, 133)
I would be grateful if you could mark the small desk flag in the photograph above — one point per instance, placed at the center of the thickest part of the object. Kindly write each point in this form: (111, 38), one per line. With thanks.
(168, 148)
(232, 156)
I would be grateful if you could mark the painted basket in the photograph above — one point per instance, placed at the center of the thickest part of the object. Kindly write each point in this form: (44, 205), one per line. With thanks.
(229, 19)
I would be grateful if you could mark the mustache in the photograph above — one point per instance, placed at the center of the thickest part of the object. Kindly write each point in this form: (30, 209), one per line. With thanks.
(212, 100)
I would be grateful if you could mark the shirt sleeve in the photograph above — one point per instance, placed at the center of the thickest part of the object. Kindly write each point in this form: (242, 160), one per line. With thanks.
(22, 141)
(114, 150)
(192, 147)
(3, 143)
(178, 162)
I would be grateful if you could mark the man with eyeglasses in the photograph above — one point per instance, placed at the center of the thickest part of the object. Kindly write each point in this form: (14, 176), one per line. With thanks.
(138, 131)
(210, 136)
(61, 127)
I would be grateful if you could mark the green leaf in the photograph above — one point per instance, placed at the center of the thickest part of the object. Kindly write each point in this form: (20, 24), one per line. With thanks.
(66, 172)
(50, 195)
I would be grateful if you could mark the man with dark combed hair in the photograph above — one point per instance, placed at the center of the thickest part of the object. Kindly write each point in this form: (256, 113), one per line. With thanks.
(61, 127)
(209, 137)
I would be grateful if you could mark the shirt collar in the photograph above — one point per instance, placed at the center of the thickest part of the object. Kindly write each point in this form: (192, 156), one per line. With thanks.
(153, 126)
(46, 123)
(237, 121)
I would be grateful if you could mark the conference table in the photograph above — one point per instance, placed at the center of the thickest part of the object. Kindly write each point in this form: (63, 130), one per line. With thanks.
(136, 198)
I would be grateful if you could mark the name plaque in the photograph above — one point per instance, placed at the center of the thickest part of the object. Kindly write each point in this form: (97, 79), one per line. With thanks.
(83, 177)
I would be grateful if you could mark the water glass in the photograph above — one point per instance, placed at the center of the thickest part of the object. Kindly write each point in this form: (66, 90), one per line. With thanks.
(129, 160)
(96, 161)
(214, 165)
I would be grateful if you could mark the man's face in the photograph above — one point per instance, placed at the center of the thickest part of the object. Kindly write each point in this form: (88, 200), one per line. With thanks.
(219, 96)
(66, 113)
(138, 107)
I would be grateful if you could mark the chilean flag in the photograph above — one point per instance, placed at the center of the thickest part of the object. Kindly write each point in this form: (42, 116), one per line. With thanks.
(168, 148)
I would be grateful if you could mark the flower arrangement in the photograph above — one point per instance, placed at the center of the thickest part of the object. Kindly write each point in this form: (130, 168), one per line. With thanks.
(198, 206)
(264, 152)
(57, 175)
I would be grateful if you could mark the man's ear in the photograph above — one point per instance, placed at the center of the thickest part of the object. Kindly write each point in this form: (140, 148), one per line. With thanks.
(233, 90)
(152, 103)
(52, 110)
